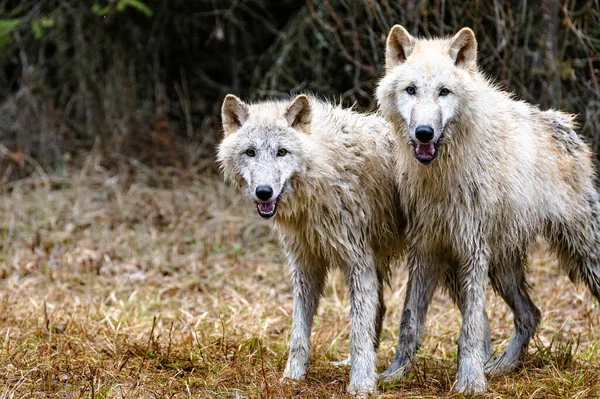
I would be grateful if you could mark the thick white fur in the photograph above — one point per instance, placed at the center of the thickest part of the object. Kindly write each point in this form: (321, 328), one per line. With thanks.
(338, 209)
(505, 173)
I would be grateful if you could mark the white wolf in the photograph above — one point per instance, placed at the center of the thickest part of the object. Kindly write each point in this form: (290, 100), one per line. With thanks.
(326, 177)
(501, 172)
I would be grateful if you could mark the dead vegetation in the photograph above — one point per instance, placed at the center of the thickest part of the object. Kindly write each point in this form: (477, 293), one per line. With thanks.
(129, 282)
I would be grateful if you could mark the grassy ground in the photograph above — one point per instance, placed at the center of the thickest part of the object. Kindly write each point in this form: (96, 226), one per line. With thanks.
(131, 282)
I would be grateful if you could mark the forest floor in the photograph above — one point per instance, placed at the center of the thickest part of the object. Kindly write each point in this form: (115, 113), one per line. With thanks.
(132, 282)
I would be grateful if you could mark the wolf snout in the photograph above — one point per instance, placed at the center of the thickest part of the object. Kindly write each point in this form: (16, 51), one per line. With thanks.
(424, 133)
(425, 148)
(264, 192)
(266, 205)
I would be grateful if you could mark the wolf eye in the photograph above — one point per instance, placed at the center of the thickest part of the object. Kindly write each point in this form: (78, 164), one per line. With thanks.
(281, 152)
(411, 90)
(444, 92)
(250, 153)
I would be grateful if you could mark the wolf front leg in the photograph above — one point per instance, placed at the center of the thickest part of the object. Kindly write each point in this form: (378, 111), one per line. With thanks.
(423, 276)
(452, 284)
(363, 283)
(308, 281)
(473, 275)
(381, 309)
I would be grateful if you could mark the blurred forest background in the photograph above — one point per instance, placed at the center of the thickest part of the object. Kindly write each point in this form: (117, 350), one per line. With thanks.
(144, 79)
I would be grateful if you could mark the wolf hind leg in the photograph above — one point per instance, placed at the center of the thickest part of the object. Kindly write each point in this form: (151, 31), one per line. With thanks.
(576, 240)
(508, 280)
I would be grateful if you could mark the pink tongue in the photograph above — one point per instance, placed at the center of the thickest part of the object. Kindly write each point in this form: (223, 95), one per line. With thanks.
(267, 207)
(425, 150)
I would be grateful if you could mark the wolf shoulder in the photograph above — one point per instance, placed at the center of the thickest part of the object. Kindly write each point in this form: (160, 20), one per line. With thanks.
(349, 133)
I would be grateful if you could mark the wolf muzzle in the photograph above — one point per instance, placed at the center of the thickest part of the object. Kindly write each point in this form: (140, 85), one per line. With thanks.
(266, 206)
(425, 149)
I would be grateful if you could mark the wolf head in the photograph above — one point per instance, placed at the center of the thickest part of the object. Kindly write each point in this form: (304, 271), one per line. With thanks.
(264, 147)
(426, 85)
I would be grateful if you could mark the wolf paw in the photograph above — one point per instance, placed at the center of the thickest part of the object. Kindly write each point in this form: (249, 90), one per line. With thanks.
(391, 375)
(294, 370)
(472, 385)
(362, 389)
(499, 365)
(395, 370)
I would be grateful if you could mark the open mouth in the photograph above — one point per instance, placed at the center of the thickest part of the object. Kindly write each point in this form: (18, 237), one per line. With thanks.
(267, 209)
(425, 152)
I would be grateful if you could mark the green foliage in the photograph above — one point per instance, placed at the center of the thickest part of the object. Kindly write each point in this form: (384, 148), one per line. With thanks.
(120, 6)
(38, 26)
(7, 26)
(137, 4)
(101, 10)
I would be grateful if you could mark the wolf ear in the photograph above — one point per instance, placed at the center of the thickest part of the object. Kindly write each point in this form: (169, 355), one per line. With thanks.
(398, 47)
(233, 114)
(299, 114)
(463, 49)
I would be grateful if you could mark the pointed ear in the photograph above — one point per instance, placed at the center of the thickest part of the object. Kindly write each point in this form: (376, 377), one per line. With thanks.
(398, 47)
(233, 114)
(299, 114)
(463, 49)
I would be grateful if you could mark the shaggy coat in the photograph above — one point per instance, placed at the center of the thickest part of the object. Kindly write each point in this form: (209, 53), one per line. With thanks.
(326, 176)
(480, 176)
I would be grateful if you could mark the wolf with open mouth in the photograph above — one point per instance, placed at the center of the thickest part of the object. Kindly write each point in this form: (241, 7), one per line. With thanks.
(325, 176)
(491, 175)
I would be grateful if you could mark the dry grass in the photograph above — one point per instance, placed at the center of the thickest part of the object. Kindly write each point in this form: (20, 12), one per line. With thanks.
(161, 283)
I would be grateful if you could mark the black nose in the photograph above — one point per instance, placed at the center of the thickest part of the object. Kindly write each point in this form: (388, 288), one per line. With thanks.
(424, 133)
(264, 192)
